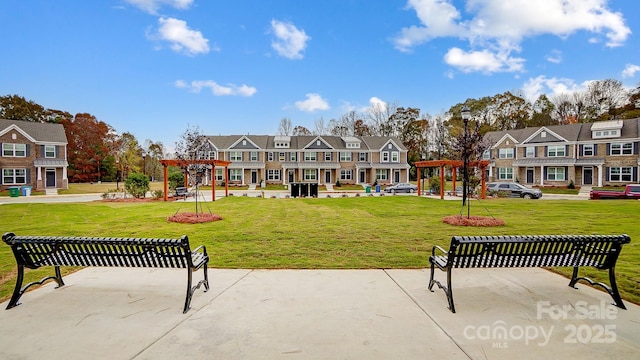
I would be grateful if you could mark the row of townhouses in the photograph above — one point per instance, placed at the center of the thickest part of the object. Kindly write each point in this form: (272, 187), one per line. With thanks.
(310, 159)
(33, 154)
(598, 154)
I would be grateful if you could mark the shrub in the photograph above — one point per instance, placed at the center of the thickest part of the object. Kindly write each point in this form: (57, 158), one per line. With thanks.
(157, 194)
(137, 185)
(434, 184)
(175, 180)
(571, 185)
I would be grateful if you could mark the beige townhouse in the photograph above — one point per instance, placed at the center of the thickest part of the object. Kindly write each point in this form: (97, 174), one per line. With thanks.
(598, 154)
(310, 159)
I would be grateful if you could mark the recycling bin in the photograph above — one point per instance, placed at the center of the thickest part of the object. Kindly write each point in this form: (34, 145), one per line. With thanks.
(26, 191)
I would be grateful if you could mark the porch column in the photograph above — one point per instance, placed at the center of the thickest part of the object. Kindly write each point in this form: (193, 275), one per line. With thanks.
(599, 175)
(541, 175)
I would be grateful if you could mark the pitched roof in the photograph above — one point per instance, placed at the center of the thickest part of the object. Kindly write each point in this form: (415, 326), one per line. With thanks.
(40, 132)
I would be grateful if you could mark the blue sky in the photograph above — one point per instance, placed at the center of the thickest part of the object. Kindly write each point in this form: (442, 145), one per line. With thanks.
(155, 67)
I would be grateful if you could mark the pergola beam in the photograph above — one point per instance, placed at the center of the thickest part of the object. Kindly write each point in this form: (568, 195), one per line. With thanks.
(183, 163)
(454, 164)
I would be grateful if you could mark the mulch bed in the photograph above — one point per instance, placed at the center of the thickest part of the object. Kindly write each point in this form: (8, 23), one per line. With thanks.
(459, 220)
(193, 218)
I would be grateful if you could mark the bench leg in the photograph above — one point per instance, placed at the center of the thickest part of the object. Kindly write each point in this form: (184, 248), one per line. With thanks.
(612, 289)
(447, 289)
(19, 290)
(191, 290)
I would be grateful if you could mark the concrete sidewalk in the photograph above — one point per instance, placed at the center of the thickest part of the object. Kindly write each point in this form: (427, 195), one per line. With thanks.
(115, 313)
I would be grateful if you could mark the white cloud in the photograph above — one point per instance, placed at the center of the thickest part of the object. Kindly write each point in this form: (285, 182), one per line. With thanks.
(312, 103)
(495, 28)
(217, 89)
(377, 104)
(181, 38)
(534, 87)
(152, 6)
(630, 70)
(555, 56)
(483, 61)
(289, 41)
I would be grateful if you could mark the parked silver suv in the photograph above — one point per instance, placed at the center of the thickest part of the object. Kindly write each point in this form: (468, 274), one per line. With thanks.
(514, 190)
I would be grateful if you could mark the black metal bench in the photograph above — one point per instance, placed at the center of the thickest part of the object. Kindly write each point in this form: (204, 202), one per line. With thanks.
(183, 192)
(35, 251)
(599, 251)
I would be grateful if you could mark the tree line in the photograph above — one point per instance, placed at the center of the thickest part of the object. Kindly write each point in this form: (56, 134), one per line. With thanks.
(97, 152)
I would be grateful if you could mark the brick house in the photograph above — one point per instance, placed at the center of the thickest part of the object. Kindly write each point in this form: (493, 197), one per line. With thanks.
(310, 159)
(33, 154)
(598, 154)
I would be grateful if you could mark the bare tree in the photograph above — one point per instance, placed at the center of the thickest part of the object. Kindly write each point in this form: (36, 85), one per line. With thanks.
(319, 127)
(285, 127)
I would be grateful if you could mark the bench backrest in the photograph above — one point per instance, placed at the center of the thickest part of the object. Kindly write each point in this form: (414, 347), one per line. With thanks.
(36, 251)
(600, 251)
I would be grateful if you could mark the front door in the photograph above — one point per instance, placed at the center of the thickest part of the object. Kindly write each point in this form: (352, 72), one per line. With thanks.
(362, 177)
(50, 178)
(254, 176)
(291, 176)
(587, 176)
(327, 176)
(396, 176)
(530, 175)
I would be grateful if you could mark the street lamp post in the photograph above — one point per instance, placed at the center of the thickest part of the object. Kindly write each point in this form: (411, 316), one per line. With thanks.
(117, 174)
(144, 164)
(466, 114)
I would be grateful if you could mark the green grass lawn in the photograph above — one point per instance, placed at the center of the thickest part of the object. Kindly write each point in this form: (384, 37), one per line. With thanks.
(338, 233)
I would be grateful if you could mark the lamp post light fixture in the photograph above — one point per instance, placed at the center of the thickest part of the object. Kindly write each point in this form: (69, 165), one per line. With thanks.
(144, 163)
(466, 115)
(117, 174)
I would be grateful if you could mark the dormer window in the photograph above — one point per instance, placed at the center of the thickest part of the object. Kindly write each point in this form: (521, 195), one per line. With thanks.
(606, 129)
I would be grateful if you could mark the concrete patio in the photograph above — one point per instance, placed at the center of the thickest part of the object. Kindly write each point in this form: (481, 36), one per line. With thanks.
(115, 313)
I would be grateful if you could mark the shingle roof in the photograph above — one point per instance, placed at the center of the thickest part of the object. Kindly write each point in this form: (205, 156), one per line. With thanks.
(301, 141)
(40, 132)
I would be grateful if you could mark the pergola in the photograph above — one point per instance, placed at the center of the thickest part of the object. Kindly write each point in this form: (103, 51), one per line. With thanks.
(181, 163)
(454, 164)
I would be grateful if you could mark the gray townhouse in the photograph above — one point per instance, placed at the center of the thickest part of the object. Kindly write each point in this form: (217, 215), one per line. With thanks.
(33, 154)
(309, 159)
(598, 154)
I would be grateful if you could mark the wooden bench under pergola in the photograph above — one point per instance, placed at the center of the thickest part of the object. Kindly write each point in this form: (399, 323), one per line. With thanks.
(182, 163)
(454, 164)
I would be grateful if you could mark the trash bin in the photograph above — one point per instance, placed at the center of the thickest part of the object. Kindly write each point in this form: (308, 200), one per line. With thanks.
(295, 190)
(368, 189)
(304, 189)
(26, 191)
(14, 191)
(377, 188)
(313, 190)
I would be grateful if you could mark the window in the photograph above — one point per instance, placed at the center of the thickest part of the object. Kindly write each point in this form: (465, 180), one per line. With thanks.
(235, 174)
(14, 176)
(555, 174)
(294, 156)
(362, 156)
(505, 153)
(620, 173)
(385, 156)
(486, 155)
(345, 156)
(381, 174)
(395, 156)
(270, 155)
(530, 152)
(310, 174)
(281, 156)
(588, 150)
(353, 145)
(49, 151)
(505, 173)
(236, 155)
(621, 148)
(346, 174)
(327, 156)
(254, 156)
(14, 150)
(273, 174)
(556, 151)
(219, 175)
(310, 156)
(212, 155)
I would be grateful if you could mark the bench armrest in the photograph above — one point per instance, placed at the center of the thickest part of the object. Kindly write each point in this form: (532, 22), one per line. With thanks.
(436, 247)
(200, 248)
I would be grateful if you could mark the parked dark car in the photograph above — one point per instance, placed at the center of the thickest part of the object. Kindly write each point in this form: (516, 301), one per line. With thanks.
(514, 190)
(401, 187)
